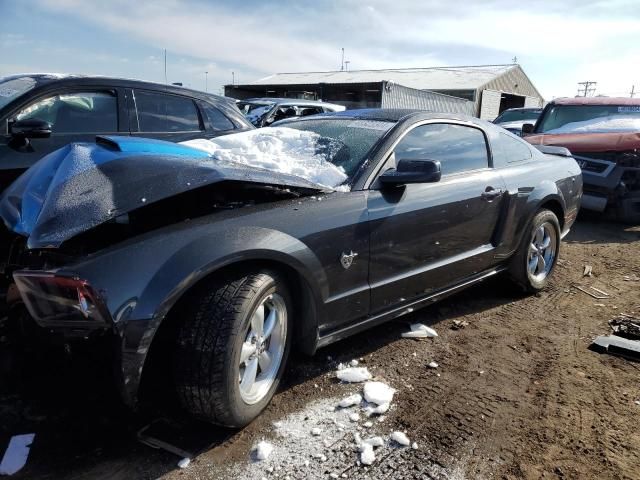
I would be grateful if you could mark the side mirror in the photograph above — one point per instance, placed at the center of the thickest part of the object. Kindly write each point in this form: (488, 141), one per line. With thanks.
(412, 171)
(527, 129)
(31, 128)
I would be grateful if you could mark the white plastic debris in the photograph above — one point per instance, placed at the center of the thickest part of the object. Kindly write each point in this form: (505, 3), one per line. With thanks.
(263, 450)
(184, 463)
(432, 365)
(354, 374)
(418, 330)
(400, 438)
(316, 431)
(15, 457)
(378, 393)
(350, 401)
(354, 417)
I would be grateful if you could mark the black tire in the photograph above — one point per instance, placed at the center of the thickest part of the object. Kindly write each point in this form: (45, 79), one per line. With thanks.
(214, 323)
(518, 267)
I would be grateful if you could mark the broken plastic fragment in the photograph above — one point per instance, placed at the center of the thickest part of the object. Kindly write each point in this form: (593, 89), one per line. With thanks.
(418, 330)
(378, 393)
(354, 374)
(400, 438)
(263, 450)
(350, 401)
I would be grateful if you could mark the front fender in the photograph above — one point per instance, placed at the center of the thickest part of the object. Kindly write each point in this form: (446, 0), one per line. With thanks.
(168, 265)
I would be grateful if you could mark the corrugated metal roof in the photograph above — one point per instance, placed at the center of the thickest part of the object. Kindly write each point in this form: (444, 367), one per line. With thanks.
(435, 78)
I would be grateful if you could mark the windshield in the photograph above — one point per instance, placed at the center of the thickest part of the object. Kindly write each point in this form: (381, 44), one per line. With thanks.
(352, 140)
(12, 87)
(255, 111)
(518, 116)
(326, 152)
(590, 119)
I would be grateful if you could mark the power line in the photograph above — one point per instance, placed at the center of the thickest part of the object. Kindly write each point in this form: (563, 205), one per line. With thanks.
(587, 89)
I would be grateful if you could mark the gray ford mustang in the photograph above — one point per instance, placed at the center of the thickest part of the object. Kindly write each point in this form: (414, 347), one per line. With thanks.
(202, 270)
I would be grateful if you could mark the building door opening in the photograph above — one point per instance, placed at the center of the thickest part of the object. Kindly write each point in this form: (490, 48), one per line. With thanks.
(508, 100)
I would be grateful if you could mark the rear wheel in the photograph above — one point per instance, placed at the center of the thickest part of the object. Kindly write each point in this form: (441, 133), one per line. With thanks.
(232, 347)
(535, 259)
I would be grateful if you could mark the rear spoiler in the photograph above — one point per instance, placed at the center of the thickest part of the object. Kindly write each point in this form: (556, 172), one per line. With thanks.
(558, 151)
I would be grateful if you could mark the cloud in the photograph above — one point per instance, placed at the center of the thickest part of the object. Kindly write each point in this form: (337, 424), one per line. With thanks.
(558, 43)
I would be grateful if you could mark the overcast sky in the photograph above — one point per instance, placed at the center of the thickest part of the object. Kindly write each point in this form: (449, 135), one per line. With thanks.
(558, 43)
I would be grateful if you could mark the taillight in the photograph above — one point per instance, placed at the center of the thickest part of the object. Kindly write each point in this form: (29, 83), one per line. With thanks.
(54, 300)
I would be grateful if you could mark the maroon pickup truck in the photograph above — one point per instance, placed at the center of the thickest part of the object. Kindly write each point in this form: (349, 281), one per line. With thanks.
(603, 134)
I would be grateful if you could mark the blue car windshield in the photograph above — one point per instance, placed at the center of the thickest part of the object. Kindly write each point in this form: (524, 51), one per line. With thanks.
(12, 87)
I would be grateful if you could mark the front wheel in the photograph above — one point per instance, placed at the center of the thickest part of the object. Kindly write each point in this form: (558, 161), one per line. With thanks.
(232, 347)
(535, 259)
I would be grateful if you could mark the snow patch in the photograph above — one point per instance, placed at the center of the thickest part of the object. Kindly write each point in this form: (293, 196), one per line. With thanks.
(608, 124)
(184, 463)
(432, 365)
(350, 401)
(400, 438)
(378, 393)
(354, 374)
(263, 450)
(279, 149)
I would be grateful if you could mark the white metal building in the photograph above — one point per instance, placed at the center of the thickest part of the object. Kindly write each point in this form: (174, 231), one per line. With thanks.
(491, 88)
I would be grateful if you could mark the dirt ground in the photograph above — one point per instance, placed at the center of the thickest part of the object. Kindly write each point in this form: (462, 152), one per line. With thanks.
(517, 393)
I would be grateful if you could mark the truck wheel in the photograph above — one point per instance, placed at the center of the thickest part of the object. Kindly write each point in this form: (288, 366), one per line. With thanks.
(232, 347)
(535, 259)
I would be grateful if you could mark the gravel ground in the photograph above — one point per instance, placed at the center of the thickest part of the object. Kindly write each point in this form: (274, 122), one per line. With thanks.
(516, 394)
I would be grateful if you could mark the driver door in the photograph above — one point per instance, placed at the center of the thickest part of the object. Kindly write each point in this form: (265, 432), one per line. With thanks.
(426, 236)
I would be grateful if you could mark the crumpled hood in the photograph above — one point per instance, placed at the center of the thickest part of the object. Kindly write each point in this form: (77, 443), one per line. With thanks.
(83, 185)
(588, 142)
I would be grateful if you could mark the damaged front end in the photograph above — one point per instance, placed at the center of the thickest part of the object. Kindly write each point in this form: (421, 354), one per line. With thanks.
(87, 197)
(612, 179)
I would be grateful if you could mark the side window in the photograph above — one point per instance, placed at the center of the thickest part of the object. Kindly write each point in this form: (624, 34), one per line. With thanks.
(158, 112)
(81, 112)
(306, 111)
(457, 147)
(217, 120)
(510, 150)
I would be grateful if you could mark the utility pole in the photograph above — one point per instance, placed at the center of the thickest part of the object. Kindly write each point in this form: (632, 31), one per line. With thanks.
(632, 93)
(587, 88)
(165, 66)
(346, 65)
(342, 61)
(206, 81)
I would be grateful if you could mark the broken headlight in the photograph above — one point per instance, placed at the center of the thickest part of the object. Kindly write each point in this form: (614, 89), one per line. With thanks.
(56, 300)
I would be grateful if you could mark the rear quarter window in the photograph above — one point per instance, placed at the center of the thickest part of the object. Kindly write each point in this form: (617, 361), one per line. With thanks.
(217, 120)
(507, 149)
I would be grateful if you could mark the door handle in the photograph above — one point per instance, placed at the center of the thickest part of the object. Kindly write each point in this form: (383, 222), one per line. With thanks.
(491, 194)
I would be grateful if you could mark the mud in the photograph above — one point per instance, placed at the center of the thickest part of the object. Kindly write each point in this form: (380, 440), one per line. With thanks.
(517, 393)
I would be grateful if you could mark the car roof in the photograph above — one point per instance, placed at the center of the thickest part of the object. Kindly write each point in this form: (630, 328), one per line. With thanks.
(288, 101)
(523, 109)
(77, 79)
(596, 101)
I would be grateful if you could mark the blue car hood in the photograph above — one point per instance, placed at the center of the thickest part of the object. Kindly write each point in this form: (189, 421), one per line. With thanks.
(83, 185)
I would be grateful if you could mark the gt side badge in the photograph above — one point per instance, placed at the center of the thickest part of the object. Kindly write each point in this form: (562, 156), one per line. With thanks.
(346, 259)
